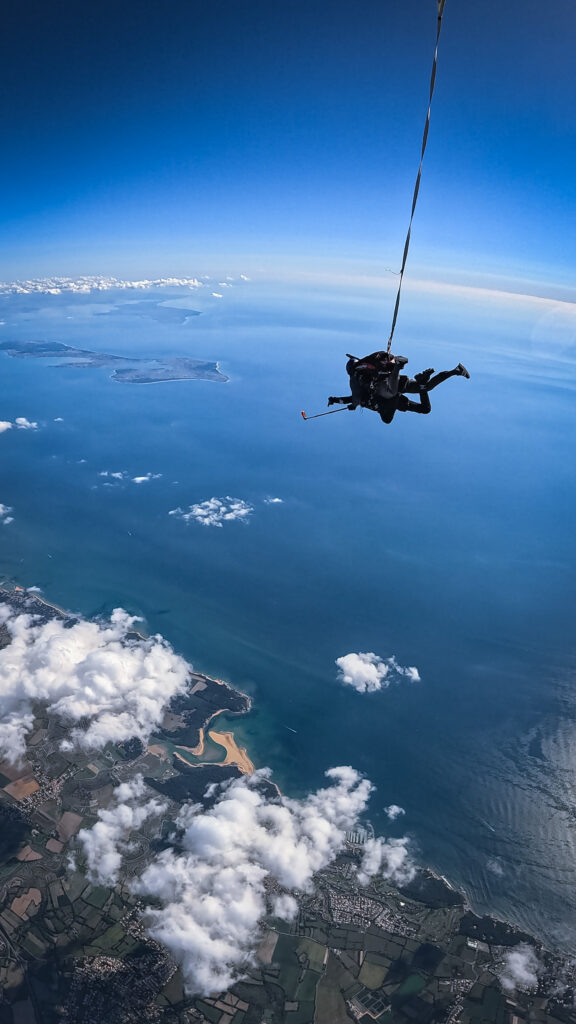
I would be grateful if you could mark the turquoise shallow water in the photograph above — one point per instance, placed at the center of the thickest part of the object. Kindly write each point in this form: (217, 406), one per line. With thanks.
(444, 540)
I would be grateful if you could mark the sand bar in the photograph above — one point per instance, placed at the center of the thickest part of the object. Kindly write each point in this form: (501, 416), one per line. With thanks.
(235, 755)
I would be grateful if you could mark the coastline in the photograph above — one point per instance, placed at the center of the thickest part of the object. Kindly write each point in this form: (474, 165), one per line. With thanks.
(235, 756)
(19, 598)
(168, 380)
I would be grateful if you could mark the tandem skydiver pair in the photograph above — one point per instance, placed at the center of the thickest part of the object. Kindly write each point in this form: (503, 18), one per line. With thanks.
(376, 383)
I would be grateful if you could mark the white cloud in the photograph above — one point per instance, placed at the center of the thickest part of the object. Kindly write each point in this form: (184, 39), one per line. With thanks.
(58, 419)
(244, 278)
(367, 672)
(391, 858)
(284, 907)
(521, 968)
(394, 811)
(144, 479)
(214, 894)
(86, 284)
(217, 295)
(103, 684)
(120, 474)
(215, 511)
(104, 844)
(21, 423)
(273, 501)
(5, 517)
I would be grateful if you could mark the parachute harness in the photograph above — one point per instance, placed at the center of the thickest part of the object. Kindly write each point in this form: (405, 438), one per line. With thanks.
(441, 4)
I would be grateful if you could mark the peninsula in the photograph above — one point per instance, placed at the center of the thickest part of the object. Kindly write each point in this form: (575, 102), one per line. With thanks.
(125, 369)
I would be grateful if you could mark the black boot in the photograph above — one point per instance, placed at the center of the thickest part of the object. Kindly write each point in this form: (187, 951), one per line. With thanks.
(463, 371)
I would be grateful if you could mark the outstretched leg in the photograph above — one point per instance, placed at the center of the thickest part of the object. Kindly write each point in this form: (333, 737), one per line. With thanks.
(342, 400)
(458, 371)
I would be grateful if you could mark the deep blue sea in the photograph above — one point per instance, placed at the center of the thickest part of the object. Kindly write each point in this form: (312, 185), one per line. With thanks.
(447, 541)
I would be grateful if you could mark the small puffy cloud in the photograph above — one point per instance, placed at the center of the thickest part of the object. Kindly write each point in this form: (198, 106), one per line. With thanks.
(244, 278)
(104, 844)
(58, 419)
(521, 969)
(144, 479)
(105, 684)
(394, 811)
(367, 672)
(216, 891)
(215, 511)
(119, 474)
(20, 423)
(123, 475)
(391, 858)
(216, 295)
(273, 501)
(5, 517)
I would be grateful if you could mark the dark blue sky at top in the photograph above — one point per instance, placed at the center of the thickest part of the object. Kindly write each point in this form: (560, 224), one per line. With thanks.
(161, 132)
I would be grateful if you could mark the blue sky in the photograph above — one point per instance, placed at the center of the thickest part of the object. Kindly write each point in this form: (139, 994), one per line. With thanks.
(156, 138)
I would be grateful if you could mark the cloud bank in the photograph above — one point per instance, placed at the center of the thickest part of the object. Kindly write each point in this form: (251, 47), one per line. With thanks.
(521, 968)
(215, 511)
(84, 285)
(88, 673)
(216, 892)
(367, 672)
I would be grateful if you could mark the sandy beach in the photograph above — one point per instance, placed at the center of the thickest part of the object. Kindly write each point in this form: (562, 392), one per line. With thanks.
(235, 755)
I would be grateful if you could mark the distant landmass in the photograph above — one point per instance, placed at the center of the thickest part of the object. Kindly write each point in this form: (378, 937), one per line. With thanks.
(153, 310)
(126, 370)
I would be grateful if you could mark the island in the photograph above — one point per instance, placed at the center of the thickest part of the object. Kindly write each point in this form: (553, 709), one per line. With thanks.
(125, 370)
(153, 310)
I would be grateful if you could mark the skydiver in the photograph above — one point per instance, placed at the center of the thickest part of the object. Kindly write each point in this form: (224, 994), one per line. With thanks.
(376, 384)
(379, 368)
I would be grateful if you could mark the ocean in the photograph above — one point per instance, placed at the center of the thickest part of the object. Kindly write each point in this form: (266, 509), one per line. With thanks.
(446, 541)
